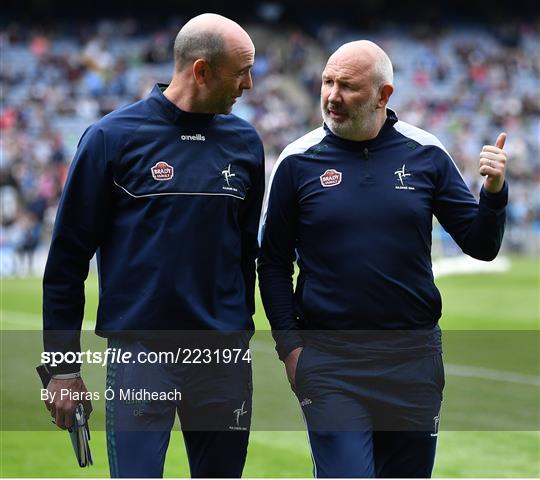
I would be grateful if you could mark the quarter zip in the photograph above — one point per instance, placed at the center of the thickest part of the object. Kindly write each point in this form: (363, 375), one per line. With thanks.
(365, 173)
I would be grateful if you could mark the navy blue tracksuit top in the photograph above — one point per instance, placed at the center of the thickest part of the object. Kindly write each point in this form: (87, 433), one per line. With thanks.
(170, 200)
(358, 218)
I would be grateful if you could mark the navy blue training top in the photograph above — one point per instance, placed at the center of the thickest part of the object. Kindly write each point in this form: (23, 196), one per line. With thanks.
(358, 218)
(170, 200)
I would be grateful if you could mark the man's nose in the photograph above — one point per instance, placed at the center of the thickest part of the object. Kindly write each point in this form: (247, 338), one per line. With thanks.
(247, 81)
(334, 95)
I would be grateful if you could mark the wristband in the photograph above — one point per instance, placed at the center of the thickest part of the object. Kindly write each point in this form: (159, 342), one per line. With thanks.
(66, 376)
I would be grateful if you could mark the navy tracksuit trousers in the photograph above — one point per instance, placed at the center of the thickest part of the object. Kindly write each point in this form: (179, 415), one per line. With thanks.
(370, 415)
(214, 413)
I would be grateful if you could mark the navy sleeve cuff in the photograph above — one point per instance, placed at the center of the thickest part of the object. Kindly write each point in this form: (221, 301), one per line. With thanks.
(65, 368)
(495, 201)
(286, 342)
(59, 346)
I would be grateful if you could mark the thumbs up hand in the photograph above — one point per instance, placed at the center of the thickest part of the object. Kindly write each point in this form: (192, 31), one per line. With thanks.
(493, 165)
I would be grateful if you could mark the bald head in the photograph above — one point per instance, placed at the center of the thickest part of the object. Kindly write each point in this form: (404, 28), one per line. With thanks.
(210, 37)
(213, 61)
(365, 56)
(356, 87)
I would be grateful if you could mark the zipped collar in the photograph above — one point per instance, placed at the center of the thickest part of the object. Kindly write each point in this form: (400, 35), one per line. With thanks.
(391, 119)
(176, 115)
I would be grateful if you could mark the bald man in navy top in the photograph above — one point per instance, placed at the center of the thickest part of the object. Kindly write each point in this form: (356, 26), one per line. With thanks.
(168, 193)
(352, 203)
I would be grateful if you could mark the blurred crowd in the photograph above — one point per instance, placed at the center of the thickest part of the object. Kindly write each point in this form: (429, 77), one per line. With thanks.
(464, 84)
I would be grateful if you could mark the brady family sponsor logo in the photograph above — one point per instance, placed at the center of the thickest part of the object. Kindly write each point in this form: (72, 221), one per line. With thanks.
(330, 178)
(194, 138)
(162, 171)
(401, 178)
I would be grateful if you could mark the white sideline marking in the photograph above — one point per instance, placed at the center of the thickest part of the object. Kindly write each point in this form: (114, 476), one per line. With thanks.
(489, 374)
(29, 321)
(463, 264)
(452, 369)
(20, 318)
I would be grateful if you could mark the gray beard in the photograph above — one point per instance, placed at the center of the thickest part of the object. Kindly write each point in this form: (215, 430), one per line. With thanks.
(359, 125)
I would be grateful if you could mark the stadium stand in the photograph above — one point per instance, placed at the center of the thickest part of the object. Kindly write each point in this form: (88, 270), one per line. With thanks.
(464, 84)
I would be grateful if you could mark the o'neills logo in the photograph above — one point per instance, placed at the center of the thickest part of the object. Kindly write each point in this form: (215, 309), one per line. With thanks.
(330, 178)
(162, 171)
(196, 138)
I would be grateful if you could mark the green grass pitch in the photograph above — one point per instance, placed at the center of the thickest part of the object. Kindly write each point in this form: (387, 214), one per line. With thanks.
(507, 301)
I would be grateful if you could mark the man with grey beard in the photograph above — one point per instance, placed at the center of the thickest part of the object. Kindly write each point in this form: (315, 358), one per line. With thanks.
(352, 202)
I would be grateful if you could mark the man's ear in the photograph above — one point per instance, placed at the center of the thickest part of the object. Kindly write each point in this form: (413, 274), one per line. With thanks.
(384, 95)
(201, 71)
